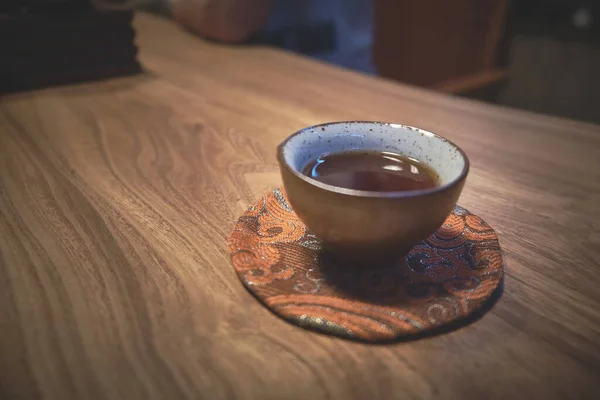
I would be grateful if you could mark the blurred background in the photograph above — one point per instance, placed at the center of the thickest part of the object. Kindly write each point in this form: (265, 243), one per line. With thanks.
(538, 55)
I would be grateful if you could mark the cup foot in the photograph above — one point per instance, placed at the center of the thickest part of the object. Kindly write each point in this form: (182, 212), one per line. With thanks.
(372, 258)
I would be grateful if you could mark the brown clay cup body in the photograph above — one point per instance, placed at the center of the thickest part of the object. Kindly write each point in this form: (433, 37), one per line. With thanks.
(362, 225)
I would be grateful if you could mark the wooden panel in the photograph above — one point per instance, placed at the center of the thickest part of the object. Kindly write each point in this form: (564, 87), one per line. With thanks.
(429, 42)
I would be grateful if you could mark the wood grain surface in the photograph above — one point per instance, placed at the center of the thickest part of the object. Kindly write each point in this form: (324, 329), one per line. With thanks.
(116, 200)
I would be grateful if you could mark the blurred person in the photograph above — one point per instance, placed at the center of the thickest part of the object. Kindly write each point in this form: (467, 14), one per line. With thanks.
(336, 31)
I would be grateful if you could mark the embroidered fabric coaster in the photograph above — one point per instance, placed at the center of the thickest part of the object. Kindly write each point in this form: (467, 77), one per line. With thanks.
(444, 279)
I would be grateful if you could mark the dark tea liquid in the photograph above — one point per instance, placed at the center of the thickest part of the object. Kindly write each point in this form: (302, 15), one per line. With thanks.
(372, 171)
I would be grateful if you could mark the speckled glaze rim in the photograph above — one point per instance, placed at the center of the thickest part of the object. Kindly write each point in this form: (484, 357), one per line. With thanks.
(371, 194)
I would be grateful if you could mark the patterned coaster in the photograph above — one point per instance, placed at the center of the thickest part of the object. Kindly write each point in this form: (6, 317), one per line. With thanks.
(442, 280)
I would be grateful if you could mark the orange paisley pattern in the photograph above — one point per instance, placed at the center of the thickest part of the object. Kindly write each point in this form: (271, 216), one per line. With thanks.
(445, 279)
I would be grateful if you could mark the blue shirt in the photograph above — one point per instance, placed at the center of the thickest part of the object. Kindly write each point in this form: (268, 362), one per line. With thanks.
(336, 31)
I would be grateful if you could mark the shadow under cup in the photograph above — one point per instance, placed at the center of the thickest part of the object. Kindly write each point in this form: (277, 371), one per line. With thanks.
(364, 227)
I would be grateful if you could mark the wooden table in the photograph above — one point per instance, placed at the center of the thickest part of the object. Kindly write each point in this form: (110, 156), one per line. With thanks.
(116, 200)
